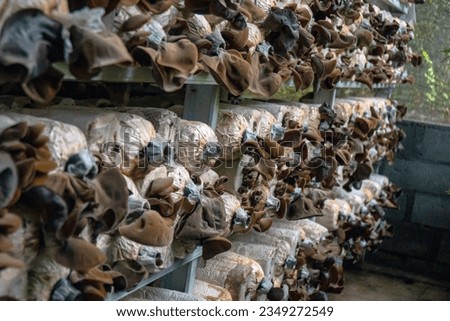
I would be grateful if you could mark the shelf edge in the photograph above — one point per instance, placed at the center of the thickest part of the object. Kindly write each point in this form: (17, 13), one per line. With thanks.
(153, 277)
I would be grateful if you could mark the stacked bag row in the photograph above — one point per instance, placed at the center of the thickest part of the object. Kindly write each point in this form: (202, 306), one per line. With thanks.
(94, 200)
(306, 176)
(245, 45)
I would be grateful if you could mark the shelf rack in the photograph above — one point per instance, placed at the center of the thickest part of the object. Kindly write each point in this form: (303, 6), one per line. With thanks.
(202, 98)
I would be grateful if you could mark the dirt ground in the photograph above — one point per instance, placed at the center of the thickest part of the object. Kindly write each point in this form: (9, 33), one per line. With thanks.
(373, 284)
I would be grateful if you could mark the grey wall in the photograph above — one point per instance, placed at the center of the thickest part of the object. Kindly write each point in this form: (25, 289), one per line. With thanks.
(421, 242)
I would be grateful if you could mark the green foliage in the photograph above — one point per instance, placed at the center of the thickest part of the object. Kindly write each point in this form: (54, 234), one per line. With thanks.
(428, 98)
(430, 77)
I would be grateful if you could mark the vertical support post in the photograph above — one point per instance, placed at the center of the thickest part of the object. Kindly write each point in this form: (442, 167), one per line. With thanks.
(202, 103)
(182, 279)
(325, 96)
(108, 19)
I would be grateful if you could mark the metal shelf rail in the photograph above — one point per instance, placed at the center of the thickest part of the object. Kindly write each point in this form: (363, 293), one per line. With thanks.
(329, 96)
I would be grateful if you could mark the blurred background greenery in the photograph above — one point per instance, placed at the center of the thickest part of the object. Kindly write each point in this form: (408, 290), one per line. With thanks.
(429, 98)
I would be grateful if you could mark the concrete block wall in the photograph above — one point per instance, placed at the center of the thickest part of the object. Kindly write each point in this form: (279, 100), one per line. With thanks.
(421, 243)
